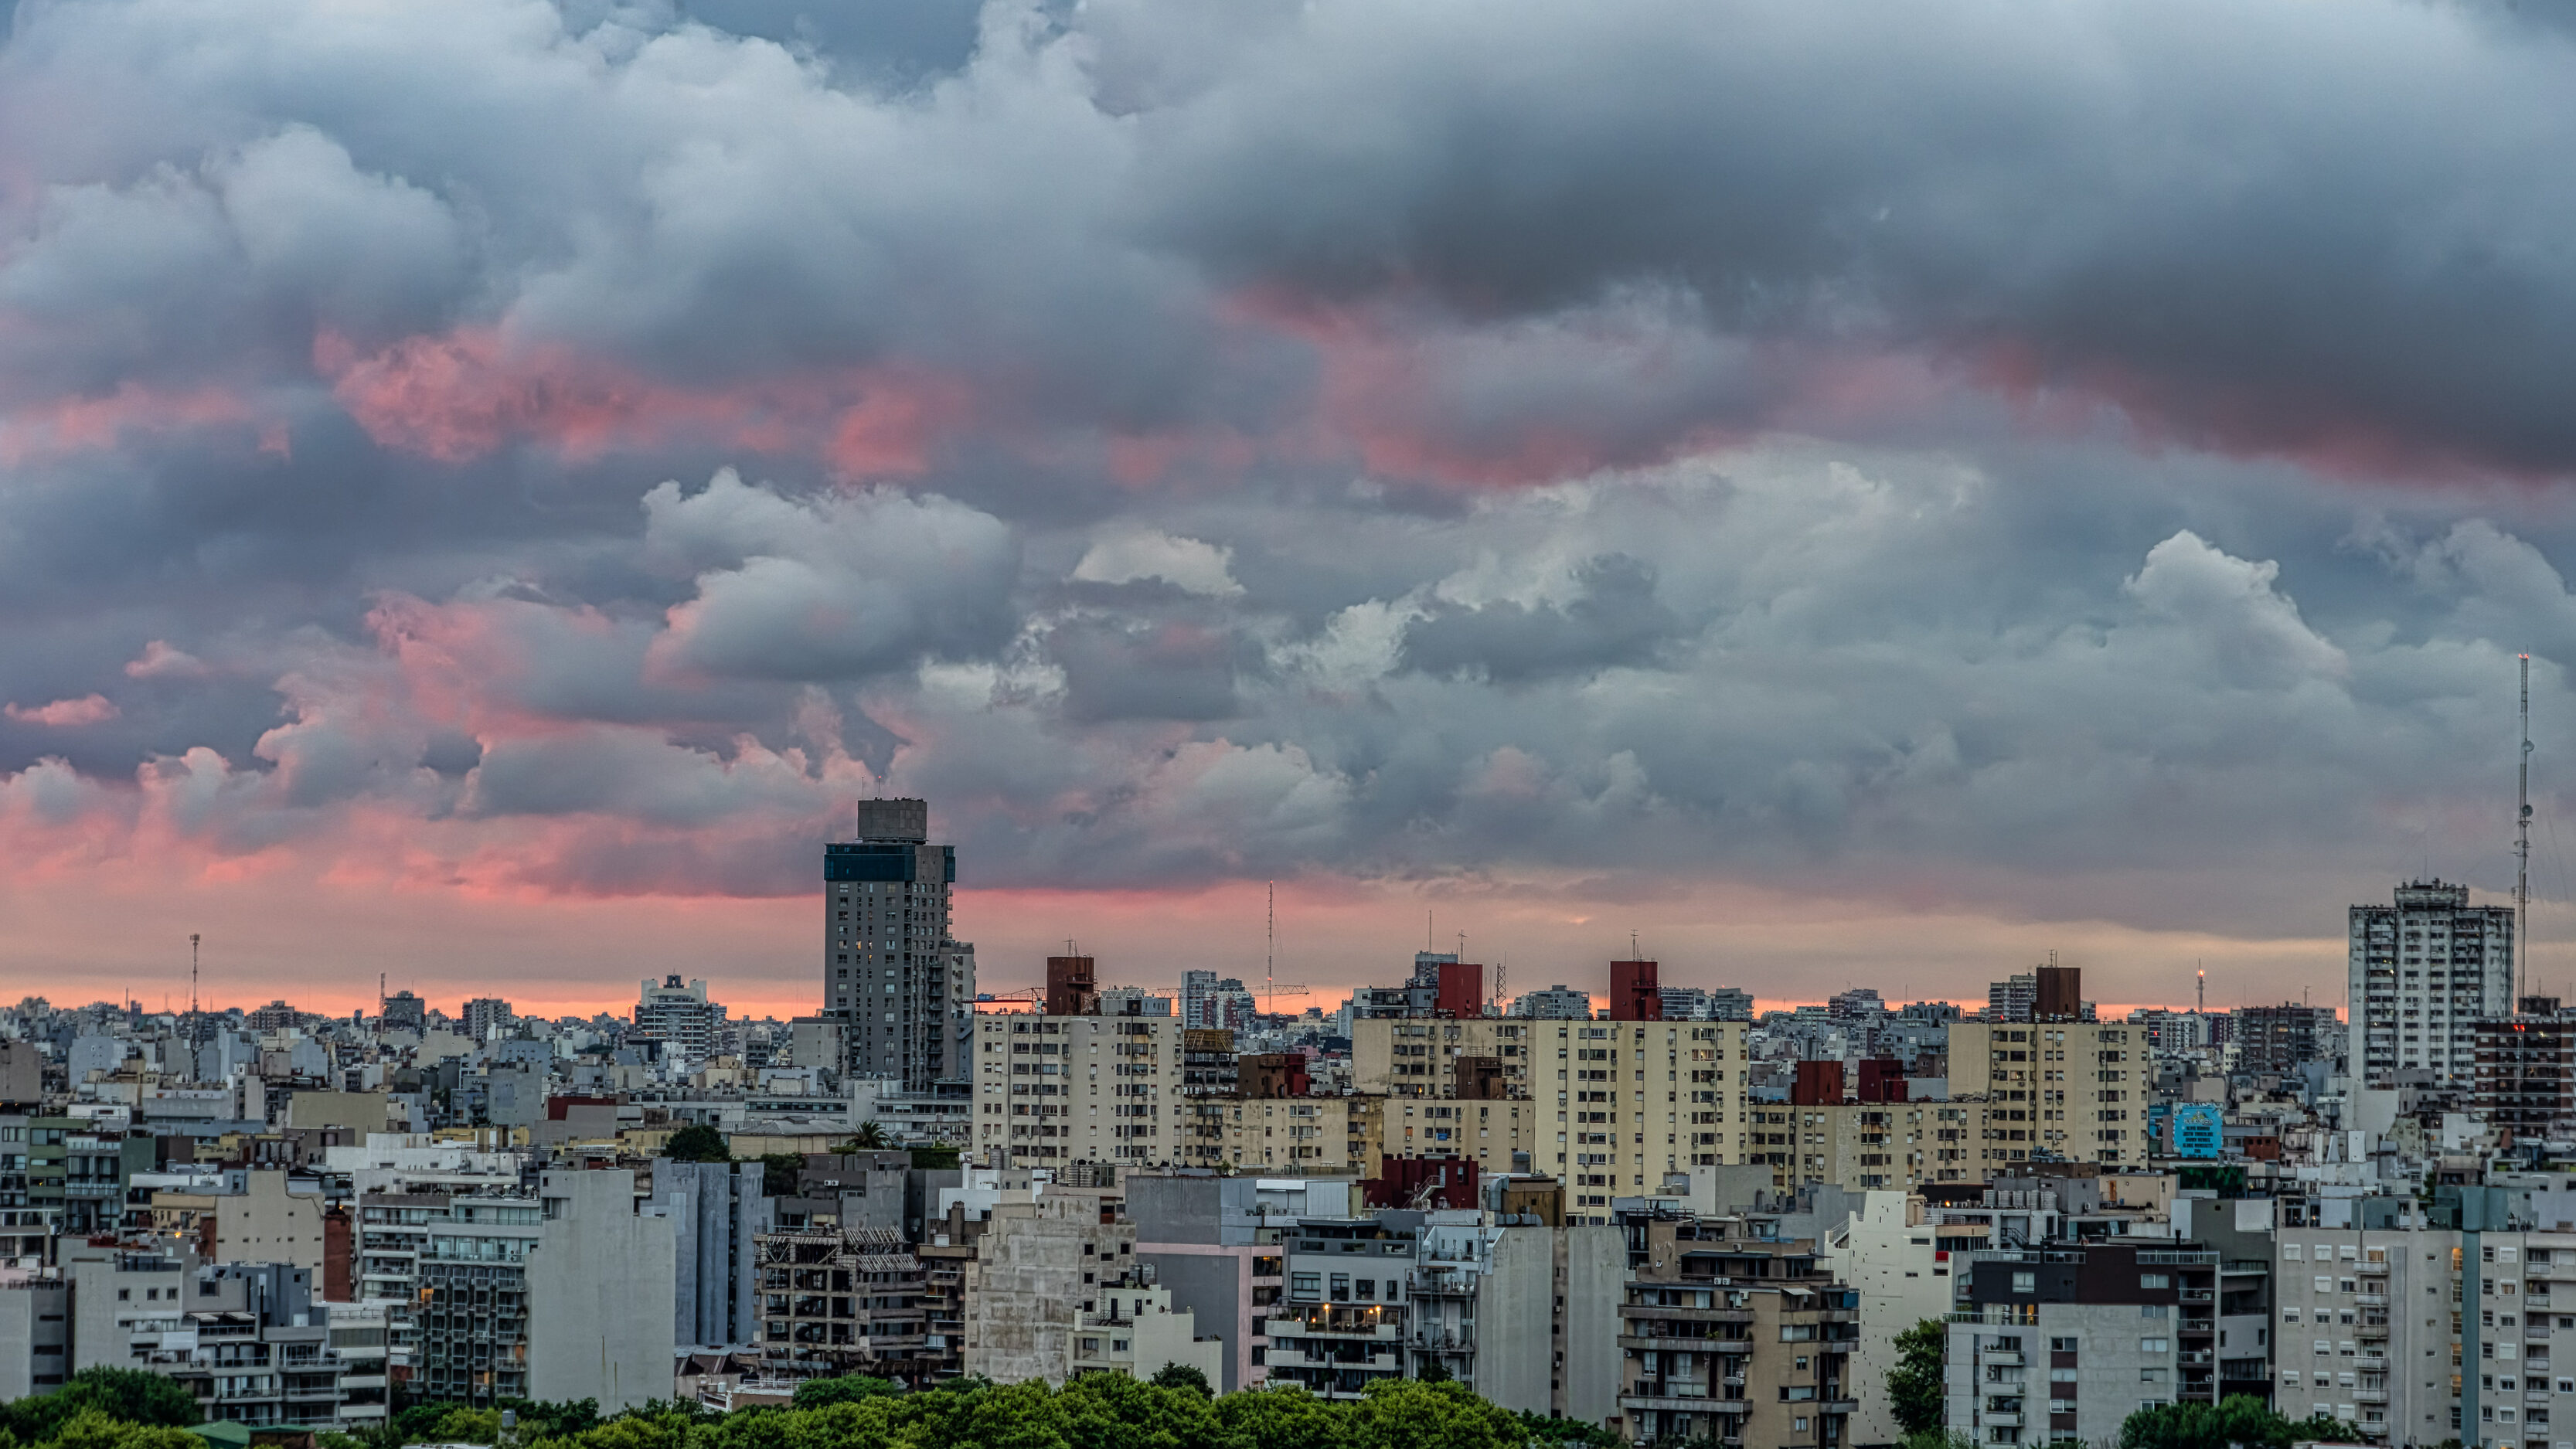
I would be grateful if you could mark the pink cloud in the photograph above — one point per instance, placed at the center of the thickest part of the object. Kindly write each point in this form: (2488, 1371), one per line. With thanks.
(160, 660)
(60, 426)
(470, 392)
(65, 714)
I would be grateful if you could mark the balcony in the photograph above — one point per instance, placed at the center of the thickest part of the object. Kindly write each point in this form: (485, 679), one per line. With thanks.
(2371, 1361)
(2001, 1357)
(2371, 1300)
(2000, 1421)
(2370, 1396)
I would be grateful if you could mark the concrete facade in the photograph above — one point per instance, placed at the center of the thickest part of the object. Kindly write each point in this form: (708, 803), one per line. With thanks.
(717, 1213)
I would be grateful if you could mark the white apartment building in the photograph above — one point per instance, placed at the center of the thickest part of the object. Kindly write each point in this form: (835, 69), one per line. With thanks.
(2423, 970)
(1060, 1089)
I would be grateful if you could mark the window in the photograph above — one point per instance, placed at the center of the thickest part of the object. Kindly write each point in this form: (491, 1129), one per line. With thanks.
(1305, 1285)
(2025, 1282)
(2155, 1345)
(2061, 1345)
(2325, 1285)
(2155, 1280)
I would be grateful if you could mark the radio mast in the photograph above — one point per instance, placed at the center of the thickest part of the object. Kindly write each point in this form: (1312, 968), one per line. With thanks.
(2522, 852)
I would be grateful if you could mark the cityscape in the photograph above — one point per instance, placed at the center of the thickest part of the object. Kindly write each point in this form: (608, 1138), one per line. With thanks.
(1643, 1207)
(1287, 724)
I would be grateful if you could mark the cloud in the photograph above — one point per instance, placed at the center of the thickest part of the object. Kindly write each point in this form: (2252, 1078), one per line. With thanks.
(1184, 563)
(65, 714)
(835, 589)
(2107, 456)
(160, 661)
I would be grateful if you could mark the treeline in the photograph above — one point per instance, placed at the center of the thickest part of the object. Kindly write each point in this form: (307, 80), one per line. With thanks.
(1094, 1411)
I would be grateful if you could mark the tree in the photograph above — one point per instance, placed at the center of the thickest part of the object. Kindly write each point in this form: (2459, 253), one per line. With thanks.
(937, 1157)
(849, 1389)
(124, 1395)
(1182, 1376)
(779, 1171)
(1914, 1387)
(2239, 1420)
(697, 1142)
(871, 1138)
(95, 1429)
(1547, 1430)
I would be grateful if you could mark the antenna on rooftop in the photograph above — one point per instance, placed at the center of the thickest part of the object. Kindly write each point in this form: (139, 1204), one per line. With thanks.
(2522, 849)
(2203, 972)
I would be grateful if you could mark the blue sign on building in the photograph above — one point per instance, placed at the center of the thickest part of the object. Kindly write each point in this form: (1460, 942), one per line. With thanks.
(2198, 1129)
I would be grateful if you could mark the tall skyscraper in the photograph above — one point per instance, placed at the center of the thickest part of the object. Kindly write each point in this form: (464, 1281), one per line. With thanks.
(892, 973)
(2423, 971)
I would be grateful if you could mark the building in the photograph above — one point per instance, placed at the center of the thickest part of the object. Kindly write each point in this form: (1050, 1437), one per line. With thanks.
(892, 969)
(1684, 1104)
(487, 1017)
(1213, 1003)
(35, 1336)
(843, 1299)
(717, 1212)
(1063, 1089)
(560, 1292)
(403, 1011)
(2526, 1072)
(276, 1016)
(679, 1017)
(1432, 1057)
(249, 1342)
(2064, 1342)
(1055, 1289)
(2423, 971)
(1558, 1003)
(2277, 1040)
(2053, 1090)
(1726, 1336)
(2012, 998)
(1215, 1242)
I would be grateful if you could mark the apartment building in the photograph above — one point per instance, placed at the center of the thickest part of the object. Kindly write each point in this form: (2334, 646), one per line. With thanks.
(1635, 1100)
(1731, 1337)
(2060, 1090)
(1481, 1303)
(1064, 1089)
(718, 1212)
(1864, 1146)
(1055, 1288)
(2525, 1086)
(2423, 970)
(563, 1292)
(248, 1341)
(2064, 1341)
(843, 1300)
(1341, 1326)
(35, 1336)
(1442, 1056)
(1215, 1242)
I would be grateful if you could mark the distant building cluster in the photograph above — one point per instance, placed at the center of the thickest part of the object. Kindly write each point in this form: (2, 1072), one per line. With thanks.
(1649, 1206)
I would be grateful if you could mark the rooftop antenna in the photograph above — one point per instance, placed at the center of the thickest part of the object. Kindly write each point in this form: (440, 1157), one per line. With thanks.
(2522, 848)
(1270, 945)
(2203, 1007)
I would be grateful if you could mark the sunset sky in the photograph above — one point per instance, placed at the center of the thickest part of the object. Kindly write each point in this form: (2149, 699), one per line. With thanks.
(1851, 493)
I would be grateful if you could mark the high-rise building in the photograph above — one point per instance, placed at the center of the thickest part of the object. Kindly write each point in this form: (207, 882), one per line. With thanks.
(2423, 971)
(485, 1015)
(2526, 1083)
(2054, 1089)
(892, 970)
(680, 1017)
(406, 1012)
(2277, 1039)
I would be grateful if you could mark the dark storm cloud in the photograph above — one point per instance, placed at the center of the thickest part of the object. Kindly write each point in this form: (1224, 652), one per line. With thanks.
(1106, 377)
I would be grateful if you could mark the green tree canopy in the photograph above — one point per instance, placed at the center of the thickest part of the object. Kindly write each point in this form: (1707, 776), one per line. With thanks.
(1914, 1387)
(697, 1142)
(815, 1393)
(2239, 1420)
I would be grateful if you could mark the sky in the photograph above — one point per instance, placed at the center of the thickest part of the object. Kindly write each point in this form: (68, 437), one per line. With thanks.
(1849, 493)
